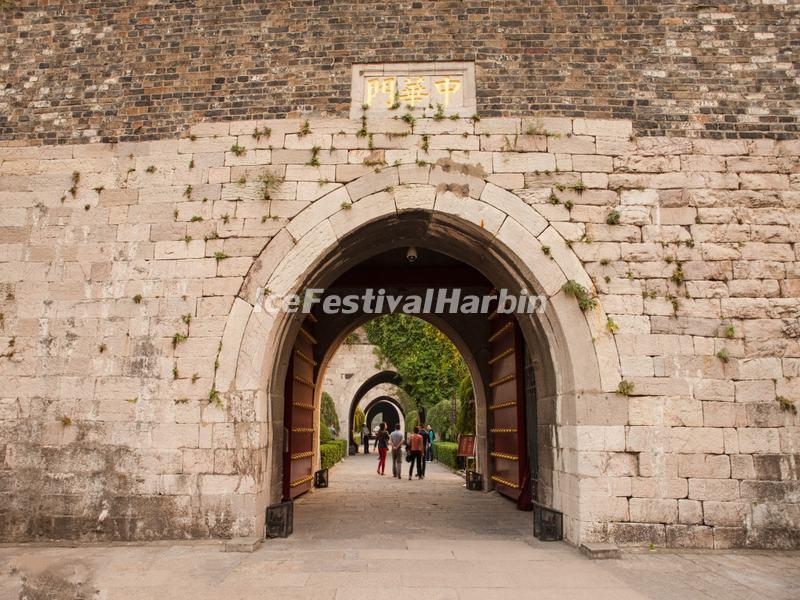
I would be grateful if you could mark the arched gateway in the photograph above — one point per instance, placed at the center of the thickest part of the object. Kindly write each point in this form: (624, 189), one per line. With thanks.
(483, 227)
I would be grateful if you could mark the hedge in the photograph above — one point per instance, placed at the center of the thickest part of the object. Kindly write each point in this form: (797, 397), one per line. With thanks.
(445, 453)
(331, 453)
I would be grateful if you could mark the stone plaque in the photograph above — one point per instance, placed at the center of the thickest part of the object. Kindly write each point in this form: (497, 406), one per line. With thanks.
(446, 88)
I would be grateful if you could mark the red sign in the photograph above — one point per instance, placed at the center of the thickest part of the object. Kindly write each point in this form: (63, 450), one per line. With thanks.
(466, 445)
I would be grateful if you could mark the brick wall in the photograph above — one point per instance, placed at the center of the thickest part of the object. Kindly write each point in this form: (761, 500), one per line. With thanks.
(105, 71)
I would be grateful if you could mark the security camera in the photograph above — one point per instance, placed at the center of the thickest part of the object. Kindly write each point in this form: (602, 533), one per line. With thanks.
(411, 255)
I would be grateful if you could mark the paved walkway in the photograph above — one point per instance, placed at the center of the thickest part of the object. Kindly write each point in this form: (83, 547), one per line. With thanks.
(371, 536)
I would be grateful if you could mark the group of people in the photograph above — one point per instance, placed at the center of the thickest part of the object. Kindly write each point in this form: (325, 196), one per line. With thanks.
(417, 449)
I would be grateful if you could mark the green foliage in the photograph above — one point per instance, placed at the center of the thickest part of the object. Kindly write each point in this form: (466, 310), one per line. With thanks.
(440, 417)
(325, 436)
(331, 453)
(613, 218)
(579, 187)
(269, 183)
(328, 414)
(786, 404)
(678, 276)
(358, 420)
(314, 160)
(581, 294)
(446, 453)
(258, 133)
(430, 365)
(724, 355)
(625, 387)
(214, 398)
(465, 422)
(412, 420)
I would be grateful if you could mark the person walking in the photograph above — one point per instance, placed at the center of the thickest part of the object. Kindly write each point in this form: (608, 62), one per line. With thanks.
(365, 438)
(431, 439)
(415, 443)
(382, 443)
(397, 439)
(425, 446)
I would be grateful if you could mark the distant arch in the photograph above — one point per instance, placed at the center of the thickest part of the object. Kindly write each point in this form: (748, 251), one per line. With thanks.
(375, 380)
(393, 413)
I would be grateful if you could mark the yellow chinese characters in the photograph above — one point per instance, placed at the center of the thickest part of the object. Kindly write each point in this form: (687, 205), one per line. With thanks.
(381, 85)
(413, 92)
(446, 87)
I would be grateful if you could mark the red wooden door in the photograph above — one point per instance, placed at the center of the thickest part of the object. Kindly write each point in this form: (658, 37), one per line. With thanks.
(507, 436)
(299, 416)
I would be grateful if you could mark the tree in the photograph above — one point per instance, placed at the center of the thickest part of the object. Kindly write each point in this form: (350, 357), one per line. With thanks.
(466, 407)
(328, 414)
(427, 361)
(440, 417)
(358, 420)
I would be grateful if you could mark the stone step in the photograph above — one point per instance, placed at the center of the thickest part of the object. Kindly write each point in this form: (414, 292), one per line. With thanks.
(599, 551)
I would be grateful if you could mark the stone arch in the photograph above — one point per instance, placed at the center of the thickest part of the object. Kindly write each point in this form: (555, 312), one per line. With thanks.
(383, 399)
(386, 378)
(483, 225)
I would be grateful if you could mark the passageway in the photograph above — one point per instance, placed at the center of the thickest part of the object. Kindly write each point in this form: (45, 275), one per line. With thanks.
(359, 503)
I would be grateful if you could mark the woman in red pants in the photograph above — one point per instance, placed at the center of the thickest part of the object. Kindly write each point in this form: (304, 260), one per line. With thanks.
(382, 442)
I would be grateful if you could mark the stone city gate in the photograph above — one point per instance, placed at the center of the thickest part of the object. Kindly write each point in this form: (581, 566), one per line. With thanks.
(145, 394)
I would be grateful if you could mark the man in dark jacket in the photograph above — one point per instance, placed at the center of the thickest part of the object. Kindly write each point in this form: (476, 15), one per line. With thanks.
(426, 444)
(365, 438)
(431, 439)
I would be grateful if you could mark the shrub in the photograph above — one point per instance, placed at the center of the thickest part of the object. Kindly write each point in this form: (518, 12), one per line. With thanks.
(342, 446)
(446, 453)
(331, 453)
(440, 417)
(328, 412)
(325, 436)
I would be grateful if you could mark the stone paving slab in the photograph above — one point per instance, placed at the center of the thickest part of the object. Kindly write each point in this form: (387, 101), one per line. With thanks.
(372, 535)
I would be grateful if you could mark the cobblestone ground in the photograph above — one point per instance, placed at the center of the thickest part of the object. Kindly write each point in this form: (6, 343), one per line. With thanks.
(369, 536)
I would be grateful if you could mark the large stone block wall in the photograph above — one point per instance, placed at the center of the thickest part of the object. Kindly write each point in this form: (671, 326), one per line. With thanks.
(120, 264)
(115, 70)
